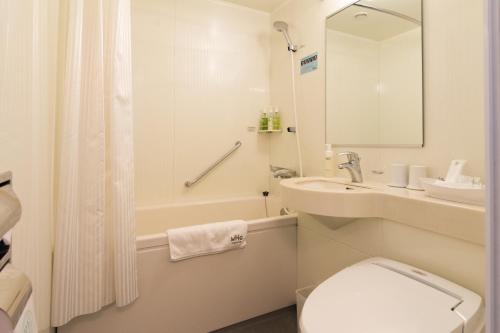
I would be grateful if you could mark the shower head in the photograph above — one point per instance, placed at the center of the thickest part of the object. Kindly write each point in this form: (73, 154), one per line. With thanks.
(282, 27)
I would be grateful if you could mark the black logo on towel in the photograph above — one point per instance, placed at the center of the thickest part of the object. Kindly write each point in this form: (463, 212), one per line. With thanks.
(237, 239)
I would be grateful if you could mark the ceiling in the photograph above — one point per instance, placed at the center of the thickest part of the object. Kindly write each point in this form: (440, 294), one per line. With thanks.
(264, 5)
(376, 25)
(411, 8)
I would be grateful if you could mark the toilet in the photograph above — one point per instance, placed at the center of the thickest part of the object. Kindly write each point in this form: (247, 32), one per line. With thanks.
(379, 295)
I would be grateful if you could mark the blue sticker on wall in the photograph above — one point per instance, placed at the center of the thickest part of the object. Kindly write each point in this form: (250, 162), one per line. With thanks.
(309, 63)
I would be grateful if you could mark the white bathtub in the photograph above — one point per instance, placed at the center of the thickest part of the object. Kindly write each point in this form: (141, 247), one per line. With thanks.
(209, 292)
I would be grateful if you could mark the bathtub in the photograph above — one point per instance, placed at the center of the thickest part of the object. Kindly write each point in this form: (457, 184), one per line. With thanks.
(210, 292)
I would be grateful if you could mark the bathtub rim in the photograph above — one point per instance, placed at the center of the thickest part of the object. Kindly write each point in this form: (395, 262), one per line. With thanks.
(144, 242)
(206, 202)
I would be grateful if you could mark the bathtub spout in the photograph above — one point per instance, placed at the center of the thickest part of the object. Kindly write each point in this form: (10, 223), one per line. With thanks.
(282, 173)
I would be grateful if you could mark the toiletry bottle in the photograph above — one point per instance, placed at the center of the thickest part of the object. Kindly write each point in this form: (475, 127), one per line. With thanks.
(270, 119)
(263, 122)
(276, 120)
(329, 163)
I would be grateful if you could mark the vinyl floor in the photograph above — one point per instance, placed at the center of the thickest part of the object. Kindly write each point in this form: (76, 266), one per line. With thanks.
(281, 321)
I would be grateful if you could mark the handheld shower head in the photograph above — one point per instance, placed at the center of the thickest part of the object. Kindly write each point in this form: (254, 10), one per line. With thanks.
(282, 27)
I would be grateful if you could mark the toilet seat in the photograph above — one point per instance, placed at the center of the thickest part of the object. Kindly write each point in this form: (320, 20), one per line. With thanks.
(384, 296)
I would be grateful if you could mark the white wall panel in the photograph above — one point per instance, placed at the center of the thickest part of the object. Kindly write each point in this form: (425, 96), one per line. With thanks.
(453, 78)
(201, 75)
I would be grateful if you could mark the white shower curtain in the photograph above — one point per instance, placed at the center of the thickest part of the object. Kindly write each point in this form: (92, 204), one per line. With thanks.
(95, 255)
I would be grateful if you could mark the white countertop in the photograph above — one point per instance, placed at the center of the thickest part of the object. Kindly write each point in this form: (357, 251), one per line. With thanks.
(402, 205)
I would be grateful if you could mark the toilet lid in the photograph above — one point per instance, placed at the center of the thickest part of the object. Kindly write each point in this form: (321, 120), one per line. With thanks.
(369, 297)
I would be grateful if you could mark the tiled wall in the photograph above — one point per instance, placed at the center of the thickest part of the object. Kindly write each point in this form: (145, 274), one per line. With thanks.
(201, 75)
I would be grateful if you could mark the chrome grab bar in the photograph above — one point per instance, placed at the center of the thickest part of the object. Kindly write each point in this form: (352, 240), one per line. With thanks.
(190, 183)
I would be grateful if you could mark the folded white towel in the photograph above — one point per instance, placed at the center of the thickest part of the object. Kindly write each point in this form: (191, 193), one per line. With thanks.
(206, 239)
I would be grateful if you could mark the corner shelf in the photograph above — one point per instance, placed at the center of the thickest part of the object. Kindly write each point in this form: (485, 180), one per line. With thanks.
(271, 131)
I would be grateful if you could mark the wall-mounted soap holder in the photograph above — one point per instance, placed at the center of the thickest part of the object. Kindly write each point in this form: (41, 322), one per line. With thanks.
(270, 131)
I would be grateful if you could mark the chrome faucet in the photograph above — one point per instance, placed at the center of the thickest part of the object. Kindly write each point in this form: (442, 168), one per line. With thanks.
(282, 173)
(352, 165)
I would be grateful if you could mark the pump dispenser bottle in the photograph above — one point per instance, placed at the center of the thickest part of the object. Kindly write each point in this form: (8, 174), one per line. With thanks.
(263, 121)
(276, 120)
(329, 162)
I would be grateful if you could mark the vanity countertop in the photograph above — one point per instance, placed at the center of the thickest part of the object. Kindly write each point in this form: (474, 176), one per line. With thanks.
(343, 198)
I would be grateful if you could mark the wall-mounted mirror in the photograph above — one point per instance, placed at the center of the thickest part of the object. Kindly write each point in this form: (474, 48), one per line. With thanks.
(374, 74)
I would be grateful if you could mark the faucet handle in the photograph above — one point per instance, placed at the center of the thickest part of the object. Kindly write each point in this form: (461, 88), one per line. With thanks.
(351, 156)
(275, 168)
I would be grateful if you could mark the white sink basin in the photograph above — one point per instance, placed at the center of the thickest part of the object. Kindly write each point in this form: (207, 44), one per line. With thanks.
(323, 184)
(329, 197)
(338, 197)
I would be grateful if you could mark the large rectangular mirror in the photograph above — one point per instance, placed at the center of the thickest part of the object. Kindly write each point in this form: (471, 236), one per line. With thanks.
(374, 74)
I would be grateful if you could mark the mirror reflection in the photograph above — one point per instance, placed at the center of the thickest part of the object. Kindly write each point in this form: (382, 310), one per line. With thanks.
(374, 74)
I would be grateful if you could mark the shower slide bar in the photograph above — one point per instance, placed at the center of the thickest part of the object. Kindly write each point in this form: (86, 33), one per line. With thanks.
(190, 183)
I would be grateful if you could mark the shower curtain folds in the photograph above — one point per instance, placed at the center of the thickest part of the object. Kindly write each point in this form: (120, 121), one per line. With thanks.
(94, 253)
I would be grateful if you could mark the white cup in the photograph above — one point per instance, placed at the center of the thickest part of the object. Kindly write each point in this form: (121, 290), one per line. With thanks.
(416, 173)
(399, 175)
